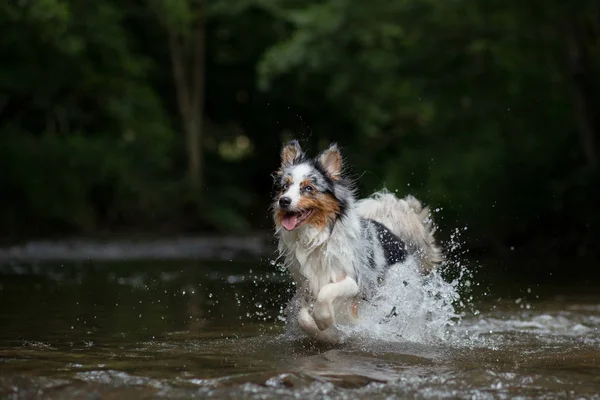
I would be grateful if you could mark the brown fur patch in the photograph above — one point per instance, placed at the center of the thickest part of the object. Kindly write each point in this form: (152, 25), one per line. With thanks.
(290, 153)
(305, 183)
(323, 206)
(331, 159)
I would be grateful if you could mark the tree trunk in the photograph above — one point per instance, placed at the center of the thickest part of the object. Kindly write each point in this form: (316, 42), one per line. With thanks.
(196, 131)
(193, 134)
(178, 63)
(189, 80)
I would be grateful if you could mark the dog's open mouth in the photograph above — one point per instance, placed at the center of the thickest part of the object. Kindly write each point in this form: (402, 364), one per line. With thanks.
(292, 220)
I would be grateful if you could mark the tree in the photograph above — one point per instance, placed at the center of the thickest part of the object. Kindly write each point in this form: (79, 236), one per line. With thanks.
(185, 25)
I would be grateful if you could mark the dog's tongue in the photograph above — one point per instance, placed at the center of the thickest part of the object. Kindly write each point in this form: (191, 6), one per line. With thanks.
(289, 221)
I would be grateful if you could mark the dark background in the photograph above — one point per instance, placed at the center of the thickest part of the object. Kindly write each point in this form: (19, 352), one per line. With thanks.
(162, 117)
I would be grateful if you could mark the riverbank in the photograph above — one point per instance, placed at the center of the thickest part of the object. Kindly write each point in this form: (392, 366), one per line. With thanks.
(175, 248)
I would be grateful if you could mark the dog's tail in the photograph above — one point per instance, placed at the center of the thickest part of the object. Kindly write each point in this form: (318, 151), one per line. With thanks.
(407, 219)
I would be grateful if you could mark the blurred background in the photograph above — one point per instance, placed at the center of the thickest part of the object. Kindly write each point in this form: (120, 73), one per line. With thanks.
(164, 117)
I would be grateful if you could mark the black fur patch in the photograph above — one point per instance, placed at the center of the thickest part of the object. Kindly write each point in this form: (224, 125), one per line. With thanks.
(394, 249)
(343, 207)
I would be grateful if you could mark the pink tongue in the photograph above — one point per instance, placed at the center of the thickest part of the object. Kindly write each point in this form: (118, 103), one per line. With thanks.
(289, 222)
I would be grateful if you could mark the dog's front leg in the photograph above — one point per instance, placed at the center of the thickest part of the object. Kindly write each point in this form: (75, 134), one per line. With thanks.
(323, 311)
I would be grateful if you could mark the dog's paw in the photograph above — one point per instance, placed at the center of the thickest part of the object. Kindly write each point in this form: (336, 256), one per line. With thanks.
(323, 314)
(307, 322)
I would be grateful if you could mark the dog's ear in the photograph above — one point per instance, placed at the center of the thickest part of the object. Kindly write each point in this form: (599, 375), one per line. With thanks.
(331, 161)
(291, 153)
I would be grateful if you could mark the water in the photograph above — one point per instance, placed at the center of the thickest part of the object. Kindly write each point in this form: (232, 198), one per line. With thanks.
(214, 330)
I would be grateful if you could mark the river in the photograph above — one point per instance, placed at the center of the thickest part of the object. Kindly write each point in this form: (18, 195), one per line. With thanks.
(192, 329)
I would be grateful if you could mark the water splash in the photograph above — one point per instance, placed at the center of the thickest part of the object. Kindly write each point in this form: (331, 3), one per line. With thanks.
(410, 306)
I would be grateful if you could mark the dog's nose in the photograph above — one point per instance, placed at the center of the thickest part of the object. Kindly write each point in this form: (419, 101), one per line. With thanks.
(284, 202)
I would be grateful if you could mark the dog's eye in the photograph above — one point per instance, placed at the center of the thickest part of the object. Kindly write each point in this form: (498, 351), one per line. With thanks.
(308, 188)
(285, 186)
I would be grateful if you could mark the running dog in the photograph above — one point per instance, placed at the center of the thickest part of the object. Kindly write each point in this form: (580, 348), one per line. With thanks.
(338, 248)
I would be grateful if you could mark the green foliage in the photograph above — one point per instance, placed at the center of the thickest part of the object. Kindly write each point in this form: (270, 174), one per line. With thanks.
(176, 15)
(87, 140)
(73, 181)
(464, 103)
(479, 108)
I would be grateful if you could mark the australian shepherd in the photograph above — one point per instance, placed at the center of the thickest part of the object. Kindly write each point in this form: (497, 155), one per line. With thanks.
(336, 248)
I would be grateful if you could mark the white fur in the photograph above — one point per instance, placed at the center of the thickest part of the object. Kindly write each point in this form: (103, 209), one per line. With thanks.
(341, 292)
(316, 258)
(333, 305)
(298, 174)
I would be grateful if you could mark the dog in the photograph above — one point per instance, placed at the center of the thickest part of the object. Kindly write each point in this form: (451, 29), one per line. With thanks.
(337, 248)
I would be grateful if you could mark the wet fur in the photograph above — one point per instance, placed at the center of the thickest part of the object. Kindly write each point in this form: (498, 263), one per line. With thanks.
(341, 252)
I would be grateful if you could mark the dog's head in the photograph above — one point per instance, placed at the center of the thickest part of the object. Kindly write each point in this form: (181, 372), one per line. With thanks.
(309, 191)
